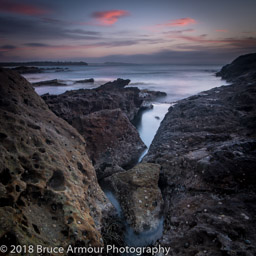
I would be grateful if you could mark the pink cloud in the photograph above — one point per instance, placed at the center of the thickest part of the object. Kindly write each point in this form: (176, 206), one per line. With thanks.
(108, 18)
(20, 8)
(178, 22)
(200, 39)
(221, 30)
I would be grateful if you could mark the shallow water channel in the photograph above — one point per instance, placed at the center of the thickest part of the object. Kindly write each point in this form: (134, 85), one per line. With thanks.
(147, 126)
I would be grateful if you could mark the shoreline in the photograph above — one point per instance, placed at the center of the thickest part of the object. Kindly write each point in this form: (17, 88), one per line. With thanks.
(199, 171)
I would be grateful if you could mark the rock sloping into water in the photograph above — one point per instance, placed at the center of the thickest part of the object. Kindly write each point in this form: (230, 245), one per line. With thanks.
(139, 196)
(103, 116)
(49, 193)
(206, 148)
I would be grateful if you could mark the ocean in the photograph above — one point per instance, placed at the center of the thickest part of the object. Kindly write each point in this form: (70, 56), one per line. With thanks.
(178, 81)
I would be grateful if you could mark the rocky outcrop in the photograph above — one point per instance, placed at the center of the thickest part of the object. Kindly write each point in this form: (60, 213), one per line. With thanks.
(112, 141)
(28, 70)
(111, 95)
(90, 80)
(243, 67)
(139, 196)
(103, 116)
(35, 70)
(53, 82)
(49, 193)
(206, 148)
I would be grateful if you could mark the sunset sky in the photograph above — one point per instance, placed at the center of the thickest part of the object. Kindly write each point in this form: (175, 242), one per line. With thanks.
(141, 31)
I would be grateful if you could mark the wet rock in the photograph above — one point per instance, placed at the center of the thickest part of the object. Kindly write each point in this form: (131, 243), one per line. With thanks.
(111, 95)
(206, 148)
(42, 187)
(139, 196)
(90, 80)
(54, 82)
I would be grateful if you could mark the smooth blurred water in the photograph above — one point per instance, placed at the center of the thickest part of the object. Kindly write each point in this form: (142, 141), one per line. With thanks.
(177, 81)
(149, 123)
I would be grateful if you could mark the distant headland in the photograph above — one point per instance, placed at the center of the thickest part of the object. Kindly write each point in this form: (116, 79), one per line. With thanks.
(44, 63)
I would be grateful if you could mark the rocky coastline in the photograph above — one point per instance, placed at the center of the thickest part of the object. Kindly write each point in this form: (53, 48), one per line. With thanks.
(103, 116)
(199, 173)
(206, 148)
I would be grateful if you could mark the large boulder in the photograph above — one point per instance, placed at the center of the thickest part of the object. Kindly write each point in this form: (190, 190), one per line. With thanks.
(206, 148)
(111, 139)
(243, 67)
(139, 196)
(49, 193)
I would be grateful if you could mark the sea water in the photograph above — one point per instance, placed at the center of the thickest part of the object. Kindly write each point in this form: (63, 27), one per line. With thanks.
(178, 81)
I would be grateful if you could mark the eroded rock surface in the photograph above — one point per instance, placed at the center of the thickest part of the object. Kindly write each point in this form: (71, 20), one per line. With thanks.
(111, 139)
(111, 95)
(49, 193)
(206, 147)
(103, 116)
(139, 196)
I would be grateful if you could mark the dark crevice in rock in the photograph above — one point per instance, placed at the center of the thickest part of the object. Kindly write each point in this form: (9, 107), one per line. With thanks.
(5, 176)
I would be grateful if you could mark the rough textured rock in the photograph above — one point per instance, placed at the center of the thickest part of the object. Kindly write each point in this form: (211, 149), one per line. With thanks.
(206, 146)
(139, 196)
(241, 68)
(49, 193)
(100, 116)
(111, 95)
(111, 139)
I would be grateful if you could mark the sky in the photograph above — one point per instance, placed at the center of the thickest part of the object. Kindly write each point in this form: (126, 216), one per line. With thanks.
(141, 31)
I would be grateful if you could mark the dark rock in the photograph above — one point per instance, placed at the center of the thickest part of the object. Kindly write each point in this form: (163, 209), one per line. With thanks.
(148, 95)
(111, 95)
(54, 82)
(28, 70)
(206, 148)
(115, 85)
(111, 140)
(91, 80)
(243, 67)
(103, 116)
(42, 186)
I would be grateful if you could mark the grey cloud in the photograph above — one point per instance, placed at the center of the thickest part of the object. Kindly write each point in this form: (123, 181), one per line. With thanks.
(8, 47)
(37, 44)
(31, 28)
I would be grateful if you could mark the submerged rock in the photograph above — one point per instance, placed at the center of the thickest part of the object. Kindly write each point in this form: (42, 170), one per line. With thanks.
(139, 196)
(49, 193)
(206, 148)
